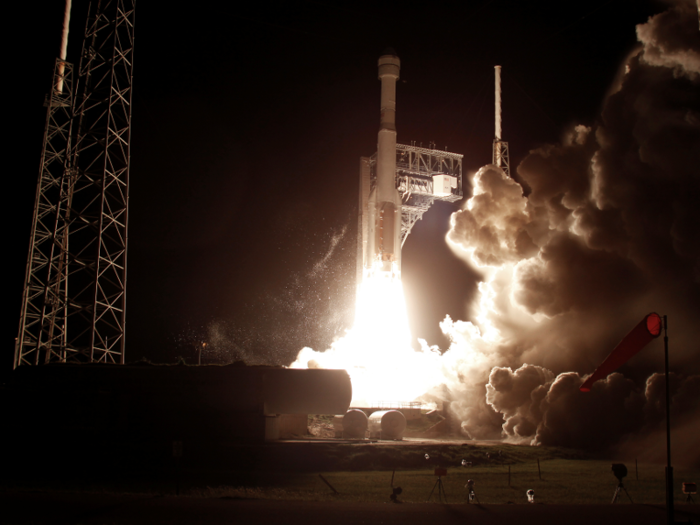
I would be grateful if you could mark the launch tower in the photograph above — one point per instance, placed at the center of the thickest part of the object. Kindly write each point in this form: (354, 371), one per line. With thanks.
(398, 184)
(74, 300)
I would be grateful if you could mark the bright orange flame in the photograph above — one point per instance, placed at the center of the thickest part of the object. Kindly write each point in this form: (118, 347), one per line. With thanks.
(377, 351)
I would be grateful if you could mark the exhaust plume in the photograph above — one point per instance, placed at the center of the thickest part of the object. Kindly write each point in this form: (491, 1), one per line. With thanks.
(604, 233)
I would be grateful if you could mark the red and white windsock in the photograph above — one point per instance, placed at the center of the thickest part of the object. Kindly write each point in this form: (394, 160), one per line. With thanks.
(649, 328)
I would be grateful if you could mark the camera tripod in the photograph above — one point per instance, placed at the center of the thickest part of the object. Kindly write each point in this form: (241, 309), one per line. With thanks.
(471, 495)
(441, 490)
(616, 496)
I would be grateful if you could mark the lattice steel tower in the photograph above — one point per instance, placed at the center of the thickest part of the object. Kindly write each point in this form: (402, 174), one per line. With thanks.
(74, 300)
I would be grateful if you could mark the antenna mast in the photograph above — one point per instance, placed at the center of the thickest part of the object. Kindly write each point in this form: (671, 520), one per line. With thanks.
(501, 157)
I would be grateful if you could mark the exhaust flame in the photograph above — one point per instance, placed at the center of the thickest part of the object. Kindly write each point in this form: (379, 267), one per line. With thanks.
(377, 350)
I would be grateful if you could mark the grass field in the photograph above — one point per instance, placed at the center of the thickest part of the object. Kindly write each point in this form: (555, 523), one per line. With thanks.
(363, 472)
(563, 481)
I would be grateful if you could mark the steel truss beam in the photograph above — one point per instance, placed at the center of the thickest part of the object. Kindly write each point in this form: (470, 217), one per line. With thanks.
(501, 156)
(410, 214)
(415, 169)
(99, 211)
(42, 329)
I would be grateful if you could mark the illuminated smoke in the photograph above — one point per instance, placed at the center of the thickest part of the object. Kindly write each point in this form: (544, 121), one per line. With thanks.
(669, 43)
(543, 410)
(606, 232)
(377, 351)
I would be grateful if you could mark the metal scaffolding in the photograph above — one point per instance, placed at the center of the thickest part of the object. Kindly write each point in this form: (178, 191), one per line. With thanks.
(75, 290)
(416, 169)
(501, 156)
(42, 329)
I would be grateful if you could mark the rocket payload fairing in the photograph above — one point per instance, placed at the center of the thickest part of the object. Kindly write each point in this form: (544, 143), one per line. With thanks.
(382, 254)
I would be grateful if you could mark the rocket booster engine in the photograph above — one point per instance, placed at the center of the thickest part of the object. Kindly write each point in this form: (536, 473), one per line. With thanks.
(383, 256)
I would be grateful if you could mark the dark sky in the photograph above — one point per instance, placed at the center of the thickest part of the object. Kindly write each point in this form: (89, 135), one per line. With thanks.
(248, 124)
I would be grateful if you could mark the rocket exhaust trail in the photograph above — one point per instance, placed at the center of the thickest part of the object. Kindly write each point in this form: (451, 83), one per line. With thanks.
(383, 254)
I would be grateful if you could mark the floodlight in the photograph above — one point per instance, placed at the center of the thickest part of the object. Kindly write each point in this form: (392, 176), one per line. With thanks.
(530, 496)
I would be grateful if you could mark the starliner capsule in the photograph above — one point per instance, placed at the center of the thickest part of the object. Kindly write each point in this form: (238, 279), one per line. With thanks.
(383, 250)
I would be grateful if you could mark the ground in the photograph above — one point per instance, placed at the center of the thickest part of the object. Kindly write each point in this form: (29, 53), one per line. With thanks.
(38, 508)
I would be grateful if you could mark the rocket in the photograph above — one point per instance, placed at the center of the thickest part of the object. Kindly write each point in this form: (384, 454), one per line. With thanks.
(382, 255)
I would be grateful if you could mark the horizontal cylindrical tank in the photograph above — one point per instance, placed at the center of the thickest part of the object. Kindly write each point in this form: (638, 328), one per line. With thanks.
(387, 424)
(312, 391)
(355, 424)
(209, 402)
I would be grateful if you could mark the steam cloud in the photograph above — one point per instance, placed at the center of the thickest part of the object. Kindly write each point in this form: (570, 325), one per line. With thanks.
(605, 231)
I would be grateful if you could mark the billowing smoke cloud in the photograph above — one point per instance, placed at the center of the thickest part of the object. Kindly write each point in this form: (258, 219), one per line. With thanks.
(518, 395)
(606, 231)
(541, 409)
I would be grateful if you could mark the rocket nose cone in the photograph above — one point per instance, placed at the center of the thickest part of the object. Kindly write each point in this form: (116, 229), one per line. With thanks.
(389, 51)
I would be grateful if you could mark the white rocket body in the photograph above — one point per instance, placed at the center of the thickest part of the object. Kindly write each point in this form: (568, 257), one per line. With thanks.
(383, 256)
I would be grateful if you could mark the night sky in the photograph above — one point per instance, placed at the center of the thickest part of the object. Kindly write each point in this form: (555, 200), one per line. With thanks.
(247, 128)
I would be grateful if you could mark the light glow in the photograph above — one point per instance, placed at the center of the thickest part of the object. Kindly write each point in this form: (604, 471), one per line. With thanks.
(377, 350)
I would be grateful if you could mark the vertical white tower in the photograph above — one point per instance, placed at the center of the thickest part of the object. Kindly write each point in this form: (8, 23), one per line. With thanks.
(497, 71)
(500, 148)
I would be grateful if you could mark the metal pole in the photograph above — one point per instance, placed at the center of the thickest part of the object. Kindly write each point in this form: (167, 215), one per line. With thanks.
(669, 469)
(64, 47)
(497, 70)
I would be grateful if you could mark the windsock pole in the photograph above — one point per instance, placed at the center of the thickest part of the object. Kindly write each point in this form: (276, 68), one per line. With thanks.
(648, 329)
(670, 518)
